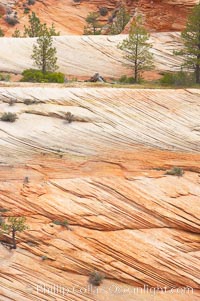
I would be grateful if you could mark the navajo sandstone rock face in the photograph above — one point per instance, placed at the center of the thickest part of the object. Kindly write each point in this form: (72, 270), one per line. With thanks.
(69, 17)
(86, 55)
(105, 174)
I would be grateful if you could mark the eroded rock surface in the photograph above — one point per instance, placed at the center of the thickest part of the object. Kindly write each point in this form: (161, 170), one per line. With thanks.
(87, 55)
(106, 174)
(69, 16)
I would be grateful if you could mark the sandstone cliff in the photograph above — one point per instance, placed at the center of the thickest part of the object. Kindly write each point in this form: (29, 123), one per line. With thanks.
(69, 16)
(82, 56)
(105, 174)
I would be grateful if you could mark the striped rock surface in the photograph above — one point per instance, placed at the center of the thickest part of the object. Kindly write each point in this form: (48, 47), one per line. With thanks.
(105, 173)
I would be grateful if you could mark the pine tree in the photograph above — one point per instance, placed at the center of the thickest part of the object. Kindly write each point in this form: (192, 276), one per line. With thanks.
(44, 54)
(191, 42)
(34, 28)
(120, 21)
(137, 49)
(93, 26)
(13, 225)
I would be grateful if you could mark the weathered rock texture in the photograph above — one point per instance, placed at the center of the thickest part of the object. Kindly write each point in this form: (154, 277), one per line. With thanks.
(69, 17)
(105, 174)
(86, 55)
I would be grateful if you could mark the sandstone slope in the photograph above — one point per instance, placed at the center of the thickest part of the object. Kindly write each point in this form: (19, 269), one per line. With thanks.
(85, 55)
(69, 17)
(105, 174)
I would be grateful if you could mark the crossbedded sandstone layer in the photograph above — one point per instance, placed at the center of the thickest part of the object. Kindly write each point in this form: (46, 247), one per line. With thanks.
(69, 16)
(86, 55)
(106, 174)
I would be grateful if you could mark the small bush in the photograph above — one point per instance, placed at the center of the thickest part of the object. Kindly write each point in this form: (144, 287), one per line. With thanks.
(96, 278)
(31, 2)
(37, 76)
(103, 11)
(44, 257)
(3, 210)
(126, 80)
(175, 171)
(10, 117)
(5, 78)
(12, 102)
(26, 10)
(177, 79)
(69, 117)
(11, 20)
(61, 223)
(30, 102)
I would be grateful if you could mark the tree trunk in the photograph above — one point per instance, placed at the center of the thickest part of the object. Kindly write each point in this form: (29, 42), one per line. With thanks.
(13, 239)
(197, 74)
(136, 72)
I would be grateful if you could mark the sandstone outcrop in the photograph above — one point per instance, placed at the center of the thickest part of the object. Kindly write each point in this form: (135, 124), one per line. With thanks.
(105, 173)
(69, 16)
(83, 56)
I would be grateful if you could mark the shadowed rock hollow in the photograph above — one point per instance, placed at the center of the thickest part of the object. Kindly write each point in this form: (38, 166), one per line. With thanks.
(105, 174)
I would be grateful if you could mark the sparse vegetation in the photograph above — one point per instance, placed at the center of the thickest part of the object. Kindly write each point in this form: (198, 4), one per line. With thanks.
(12, 19)
(119, 20)
(12, 102)
(61, 223)
(37, 76)
(191, 43)
(30, 102)
(16, 33)
(93, 26)
(175, 171)
(96, 278)
(3, 210)
(26, 10)
(69, 117)
(14, 225)
(26, 180)
(137, 49)
(31, 2)
(177, 79)
(44, 54)
(36, 28)
(4, 77)
(126, 80)
(103, 11)
(44, 257)
(9, 117)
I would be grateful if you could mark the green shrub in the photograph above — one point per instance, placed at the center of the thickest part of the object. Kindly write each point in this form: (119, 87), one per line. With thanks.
(37, 76)
(96, 278)
(177, 79)
(126, 80)
(30, 102)
(4, 77)
(31, 2)
(175, 171)
(61, 223)
(69, 117)
(26, 10)
(12, 102)
(12, 19)
(103, 11)
(44, 257)
(10, 117)
(4, 210)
